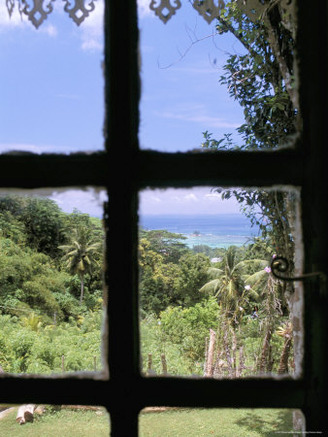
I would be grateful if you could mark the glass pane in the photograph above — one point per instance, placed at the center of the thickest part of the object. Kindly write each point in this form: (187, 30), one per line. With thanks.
(46, 420)
(51, 289)
(229, 84)
(51, 82)
(224, 422)
(210, 304)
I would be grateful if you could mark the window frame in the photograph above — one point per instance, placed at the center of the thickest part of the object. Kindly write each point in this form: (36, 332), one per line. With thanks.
(123, 169)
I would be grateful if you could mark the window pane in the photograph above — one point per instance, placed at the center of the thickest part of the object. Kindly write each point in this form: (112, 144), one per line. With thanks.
(72, 420)
(51, 82)
(51, 292)
(209, 302)
(170, 422)
(229, 84)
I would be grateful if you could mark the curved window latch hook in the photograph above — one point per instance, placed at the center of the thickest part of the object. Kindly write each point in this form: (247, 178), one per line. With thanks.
(280, 265)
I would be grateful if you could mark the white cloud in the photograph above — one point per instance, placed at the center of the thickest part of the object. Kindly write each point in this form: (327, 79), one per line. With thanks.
(156, 199)
(198, 115)
(143, 8)
(7, 22)
(89, 201)
(49, 30)
(40, 148)
(197, 200)
(190, 197)
(17, 20)
(92, 29)
(213, 196)
(21, 147)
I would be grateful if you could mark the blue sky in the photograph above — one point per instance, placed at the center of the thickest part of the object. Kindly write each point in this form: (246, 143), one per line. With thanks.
(51, 83)
(51, 87)
(181, 96)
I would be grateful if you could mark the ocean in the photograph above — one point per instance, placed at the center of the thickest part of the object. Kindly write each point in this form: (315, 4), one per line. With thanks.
(221, 230)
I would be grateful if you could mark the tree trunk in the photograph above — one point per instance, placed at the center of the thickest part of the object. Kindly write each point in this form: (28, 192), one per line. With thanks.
(82, 289)
(241, 366)
(164, 364)
(265, 354)
(228, 352)
(283, 364)
(25, 413)
(209, 368)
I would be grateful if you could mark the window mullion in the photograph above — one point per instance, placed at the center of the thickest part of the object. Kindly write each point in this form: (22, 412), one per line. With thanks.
(122, 97)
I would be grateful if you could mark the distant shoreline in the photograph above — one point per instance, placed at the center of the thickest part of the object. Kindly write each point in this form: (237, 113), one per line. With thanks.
(213, 230)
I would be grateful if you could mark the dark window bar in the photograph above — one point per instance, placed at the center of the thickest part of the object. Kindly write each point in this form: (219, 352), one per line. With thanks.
(123, 170)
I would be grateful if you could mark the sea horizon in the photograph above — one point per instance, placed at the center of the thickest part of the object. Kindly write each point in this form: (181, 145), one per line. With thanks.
(213, 230)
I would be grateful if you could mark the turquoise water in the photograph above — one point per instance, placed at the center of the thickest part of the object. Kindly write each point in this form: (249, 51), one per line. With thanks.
(222, 230)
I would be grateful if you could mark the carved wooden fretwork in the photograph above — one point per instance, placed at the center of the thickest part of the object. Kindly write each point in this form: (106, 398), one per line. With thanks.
(258, 9)
(208, 9)
(10, 4)
(164, 9)
(78, 10)
(38, 10)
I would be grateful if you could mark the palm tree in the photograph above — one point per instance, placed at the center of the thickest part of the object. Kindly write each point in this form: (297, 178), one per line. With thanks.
(267, 288)
(33, 322)
(285, 331)
(228, 284)
(80, 254)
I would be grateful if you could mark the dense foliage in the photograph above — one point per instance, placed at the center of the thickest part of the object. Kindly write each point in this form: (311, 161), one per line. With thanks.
(262, 79)
(253, 332)
(181, 302)
(41, 316)
(48, 325)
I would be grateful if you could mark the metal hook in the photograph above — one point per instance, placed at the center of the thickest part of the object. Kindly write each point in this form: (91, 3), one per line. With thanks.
(280, 264)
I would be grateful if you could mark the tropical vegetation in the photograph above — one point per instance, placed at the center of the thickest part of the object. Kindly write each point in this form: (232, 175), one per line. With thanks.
(51, 298)
(51, 262)
(47, 323)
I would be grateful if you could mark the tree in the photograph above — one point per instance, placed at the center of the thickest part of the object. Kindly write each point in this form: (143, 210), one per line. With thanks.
(168, 244)
(193, 270)
(269, 290)
(32, 321)
(285, 331)
(262, 80)
(158, 280)
(41, 218)
(228, 284)
(80, 254)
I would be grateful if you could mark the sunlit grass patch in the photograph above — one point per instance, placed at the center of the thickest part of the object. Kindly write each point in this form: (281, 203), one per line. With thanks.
(58, 422)
(215, 422)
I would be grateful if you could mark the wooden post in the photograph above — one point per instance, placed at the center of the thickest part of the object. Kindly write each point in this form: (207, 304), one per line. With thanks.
(241, 366)
(150, 363)
(206, 355)
(164, 365)
(95, 363)
(209, 369)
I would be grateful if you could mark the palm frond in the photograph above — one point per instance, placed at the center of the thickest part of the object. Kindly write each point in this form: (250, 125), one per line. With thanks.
(214, 273)
(256, 278)
(211, 287)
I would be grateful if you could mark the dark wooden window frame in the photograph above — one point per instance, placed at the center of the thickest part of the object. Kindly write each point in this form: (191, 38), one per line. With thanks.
(124, 170)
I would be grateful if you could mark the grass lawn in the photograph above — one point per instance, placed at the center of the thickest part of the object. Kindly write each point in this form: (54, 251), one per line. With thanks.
(63, 423)
(216, 423)
(168, 423)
